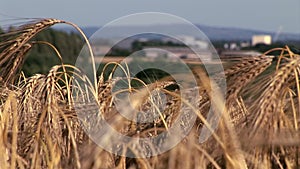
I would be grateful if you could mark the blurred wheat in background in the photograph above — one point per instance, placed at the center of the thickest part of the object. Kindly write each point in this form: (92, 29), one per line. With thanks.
(39, 127)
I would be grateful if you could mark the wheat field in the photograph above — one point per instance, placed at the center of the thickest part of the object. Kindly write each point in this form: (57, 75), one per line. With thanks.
(40, 128)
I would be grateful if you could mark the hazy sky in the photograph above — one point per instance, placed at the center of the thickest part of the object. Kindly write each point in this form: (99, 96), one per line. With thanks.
(267, 15)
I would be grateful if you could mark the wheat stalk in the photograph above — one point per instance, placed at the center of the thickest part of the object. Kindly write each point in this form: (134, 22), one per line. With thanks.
(271, 97)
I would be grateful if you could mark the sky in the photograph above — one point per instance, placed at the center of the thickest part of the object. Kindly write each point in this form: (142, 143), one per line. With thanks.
(267, 15)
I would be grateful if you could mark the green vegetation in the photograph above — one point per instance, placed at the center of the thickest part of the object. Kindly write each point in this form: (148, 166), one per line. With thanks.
(264, 48)
(42, 57)
(139, 45)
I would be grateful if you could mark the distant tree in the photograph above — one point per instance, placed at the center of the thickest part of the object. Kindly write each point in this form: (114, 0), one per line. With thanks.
(119, 52)
(42, 57)
(138, 45)
(264, 48)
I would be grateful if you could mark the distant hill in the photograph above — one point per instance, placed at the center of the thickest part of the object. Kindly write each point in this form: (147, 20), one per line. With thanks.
(224, 33)
(213, 33)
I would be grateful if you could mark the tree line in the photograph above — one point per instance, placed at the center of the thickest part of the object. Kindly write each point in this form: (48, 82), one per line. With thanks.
(42, 56)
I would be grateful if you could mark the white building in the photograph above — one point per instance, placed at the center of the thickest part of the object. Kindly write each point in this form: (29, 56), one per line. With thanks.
(193, 42)
(261, 39)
